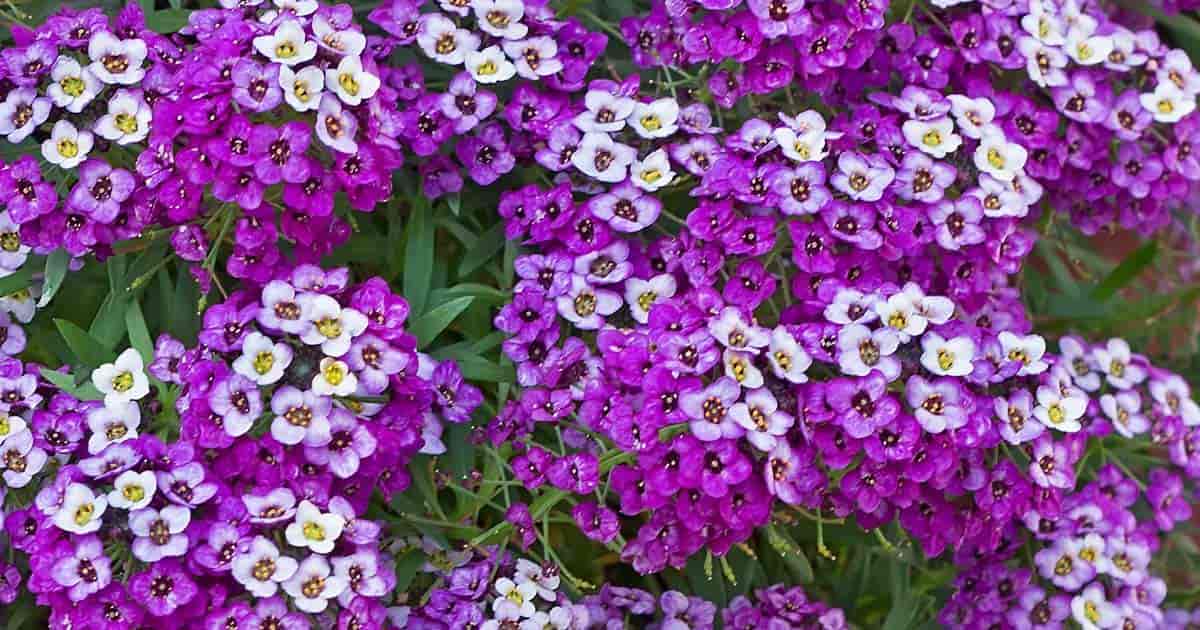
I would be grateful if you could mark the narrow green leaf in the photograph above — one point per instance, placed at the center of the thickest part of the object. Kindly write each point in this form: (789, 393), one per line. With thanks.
(56, 272)
(418, 257)
(87, 349)
(428, 326)
(108, 327)
(65, 382)
(116, 267)
(139, 334)
(782, 543)
(486, 246)
(407, 566)
(706, 581)
(1124, 273)
(167, 21)
(17, 280)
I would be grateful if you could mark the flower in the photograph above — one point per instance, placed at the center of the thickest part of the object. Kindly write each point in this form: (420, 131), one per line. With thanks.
(67, 147)
(312, 585)
(302, 89)
(133, 490)
(72, 86)
(313, 529)
(159, 532)
(261, 568)
(122, 381)
(350, 82)
(112, 425)
(287, 45)
(116, 61)
(947, 357)
(127, 120)
(489, 65)
(21, 112)
(81, 510)
(263, 360)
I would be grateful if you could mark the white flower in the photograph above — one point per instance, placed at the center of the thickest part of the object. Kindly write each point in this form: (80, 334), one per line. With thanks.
(899, 312)
(947, 357)
(333, 327)
(334, 379)
(1093, 611)
(1044, 27)
(431, 435)
(642, 294)
(788, 360)
(740, 367)
(1167, 103)
(759, 415)
(732, 331)
(534, 57)
(1043, 63)
(934, 137)
(298, 8)
(652, 173)
(656, 119)
(21, 304)
(72, 86)
(288, 45)
(586, 306)
(998, 199)
(998, 157)
(1086, 48)
(21, 112)
(299, 417)
(66, 147)
(160, 532)
(518, 596)
(603, 159)
(972, 115)
(80, 511)
(861, 350)
(802, 138)
(1174, 394)
(1116, 361)
(123, 380)
(112, 425)
(350, 82)
(127, 120)
(1028, 350)
(501, 18)
(1125, 412)
(935, 308)
(546, 579)
(851, 306)
(347, 42)
(313, 529)
(20, 459)
(261, 568)
(10, 425)
(312, 586)
(1060, 412)
(1079, 363)
(302, 89)
(443, 41)
(133, 490)
(263, 360)
(116, 61)
(605, 112)
(490, 65)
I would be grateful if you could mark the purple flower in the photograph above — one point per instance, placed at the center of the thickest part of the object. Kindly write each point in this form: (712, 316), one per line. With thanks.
(485, 154)
(713, 467)
(709, 410)
(279, 153)
(101, 190)
(350, 442)
(163, 588)
(84, 571)
(863, 403)
(256, 87)
(596, 521)
(938, 405)
(578, 473)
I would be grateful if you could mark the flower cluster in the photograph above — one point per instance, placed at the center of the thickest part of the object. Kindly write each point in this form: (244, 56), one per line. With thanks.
(302, 400)
(267, 111)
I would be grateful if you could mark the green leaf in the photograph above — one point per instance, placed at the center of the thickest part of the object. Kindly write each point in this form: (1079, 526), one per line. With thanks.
(167, 21)
(1124, 273)
(407, 566)
(87, 349)
(428, 326)
(486, 246)
(418, 257)
(139, 334)
(706, 580)
(782, 543)
(66, 382)
(108, 327)
(17, 280)
(56, 272)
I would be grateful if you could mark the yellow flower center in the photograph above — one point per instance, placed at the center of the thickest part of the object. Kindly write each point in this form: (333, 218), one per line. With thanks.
(133, 494)
(1165, 106)
(651, 175)
(315, 532)
(945, 359)
(285, 50)
(995, 157)
(1056, 415)
(123, 382)
(932, 138)
(300, 90)
(897, 320)
(72, 86)
(83, 514)
(127, 123)
(650, 122)
(67, 148)
(10, 241)
(330, 327)
(334, 373)
(646, 300)
(264, 361)
(486, 68)
(348, 83)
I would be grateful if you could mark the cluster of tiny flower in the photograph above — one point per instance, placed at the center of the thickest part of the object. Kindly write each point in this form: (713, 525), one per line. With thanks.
(1109, 85)
(1092, 545)
(302, 400)
(493, 42)
(228, 107)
